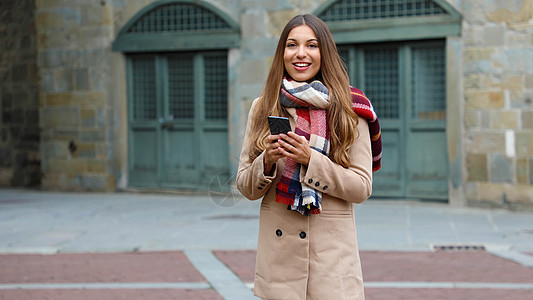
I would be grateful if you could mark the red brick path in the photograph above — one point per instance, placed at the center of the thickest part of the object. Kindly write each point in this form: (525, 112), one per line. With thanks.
(174, 267)
(149, 267)
(381, 266)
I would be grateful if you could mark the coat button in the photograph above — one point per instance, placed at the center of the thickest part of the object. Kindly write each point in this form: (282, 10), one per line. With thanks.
(317, 183)
(325, 187)
(278, 232)
(310, 180)
(262, 184)
(302, 235)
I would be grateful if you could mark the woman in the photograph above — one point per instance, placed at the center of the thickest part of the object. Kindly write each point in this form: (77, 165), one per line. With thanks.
(310, 177)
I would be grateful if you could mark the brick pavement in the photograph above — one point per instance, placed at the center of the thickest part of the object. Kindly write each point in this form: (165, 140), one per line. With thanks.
(82, 270)
(138, 268)
(422, 267)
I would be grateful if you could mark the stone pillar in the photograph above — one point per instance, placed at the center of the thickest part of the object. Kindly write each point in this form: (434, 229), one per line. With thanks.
(19, 109)
(74, 60)
(498, 90)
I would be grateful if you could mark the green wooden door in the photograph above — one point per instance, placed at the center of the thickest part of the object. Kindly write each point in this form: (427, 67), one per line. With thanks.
(406, 84)
(178, 119)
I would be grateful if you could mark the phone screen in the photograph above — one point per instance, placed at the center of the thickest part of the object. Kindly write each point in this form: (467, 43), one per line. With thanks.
(279, 125)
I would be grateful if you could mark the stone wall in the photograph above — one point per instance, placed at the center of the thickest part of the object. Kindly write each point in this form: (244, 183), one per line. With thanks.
(19, 109)
(74, 61)
(498, 112)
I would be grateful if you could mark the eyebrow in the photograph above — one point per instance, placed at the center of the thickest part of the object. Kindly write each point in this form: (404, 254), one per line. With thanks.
(310, 40)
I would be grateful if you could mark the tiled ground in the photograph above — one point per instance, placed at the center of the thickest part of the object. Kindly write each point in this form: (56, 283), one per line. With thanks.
(379, 267)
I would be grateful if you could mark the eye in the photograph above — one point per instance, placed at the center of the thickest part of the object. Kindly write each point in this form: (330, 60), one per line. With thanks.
(290, 45)
(313, 46)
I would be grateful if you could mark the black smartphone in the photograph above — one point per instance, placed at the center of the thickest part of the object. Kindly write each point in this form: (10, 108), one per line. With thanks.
(279, 125)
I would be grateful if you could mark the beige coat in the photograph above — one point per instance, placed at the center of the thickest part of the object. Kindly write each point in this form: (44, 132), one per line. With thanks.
(309, 257)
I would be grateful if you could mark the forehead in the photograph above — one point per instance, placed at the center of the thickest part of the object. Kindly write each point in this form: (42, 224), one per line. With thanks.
(302, 32)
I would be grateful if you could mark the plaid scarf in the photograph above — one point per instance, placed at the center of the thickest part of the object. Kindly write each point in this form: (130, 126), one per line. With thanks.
(307, 103)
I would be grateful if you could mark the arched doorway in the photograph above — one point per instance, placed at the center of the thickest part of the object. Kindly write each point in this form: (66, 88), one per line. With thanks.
(177, 84)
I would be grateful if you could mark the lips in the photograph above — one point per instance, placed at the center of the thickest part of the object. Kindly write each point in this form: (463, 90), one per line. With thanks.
(301, 66)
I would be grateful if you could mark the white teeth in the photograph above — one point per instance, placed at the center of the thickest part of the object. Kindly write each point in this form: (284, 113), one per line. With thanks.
(301, 64)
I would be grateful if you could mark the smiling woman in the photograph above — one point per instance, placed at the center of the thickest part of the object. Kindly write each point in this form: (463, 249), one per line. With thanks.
(302, 54)
(310, 177)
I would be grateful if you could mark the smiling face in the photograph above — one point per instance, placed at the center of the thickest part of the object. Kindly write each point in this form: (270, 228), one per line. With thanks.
(302, 53)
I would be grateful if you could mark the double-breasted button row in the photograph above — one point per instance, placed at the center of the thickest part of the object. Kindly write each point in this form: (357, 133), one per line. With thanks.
(303, 235)
(262, 185)
(317, 184)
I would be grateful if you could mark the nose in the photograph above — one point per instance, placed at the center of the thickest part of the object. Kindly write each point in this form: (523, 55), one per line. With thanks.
(301, 52)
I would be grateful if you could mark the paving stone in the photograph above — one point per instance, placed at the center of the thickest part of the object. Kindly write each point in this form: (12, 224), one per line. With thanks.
(98, 267)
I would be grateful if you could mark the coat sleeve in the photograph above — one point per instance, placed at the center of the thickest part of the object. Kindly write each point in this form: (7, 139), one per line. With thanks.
(353, 184)
(251, 179)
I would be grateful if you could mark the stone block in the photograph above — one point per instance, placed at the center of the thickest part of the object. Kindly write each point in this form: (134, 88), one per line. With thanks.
(485, 119)
(59, 117)
(97, 166)
(66, 134)
(527, 119)
(81, 81)
(529, 81)
(63, 80)
(51, 59)
(476, 167)
(491, 192)
(89, 98)
(521, 99)
(522, 170)
(88, 117)
(19, 73)
(501, 169)
(472, 119)
(484, 100)
(253, 24)
(504, 119)
(472, 81)
(485, 142)
(253, 71)
(513, 82)
(278, 19)
(67, 166)
(57, 99)
(524, 143)
(520, 193)
(54, 149)
(49, 20)
(494, 35)
(6, 176)
(84, 150)
(47, 81)
(93, 135)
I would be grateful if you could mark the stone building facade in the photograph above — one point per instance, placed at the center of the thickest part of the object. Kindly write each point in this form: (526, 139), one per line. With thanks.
(91, 68)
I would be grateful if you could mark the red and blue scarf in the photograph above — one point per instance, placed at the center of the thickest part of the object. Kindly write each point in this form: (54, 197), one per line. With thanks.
(307, 103)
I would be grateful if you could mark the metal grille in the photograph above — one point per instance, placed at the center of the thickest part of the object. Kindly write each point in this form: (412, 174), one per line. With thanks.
(181, 87)
(381, 81)
(345, 57)
(144, 90)
(216, 86)
(349, 10)
(428, 83)
(178, 17)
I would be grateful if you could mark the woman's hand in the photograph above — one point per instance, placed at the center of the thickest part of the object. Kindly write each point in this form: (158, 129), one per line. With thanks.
(272, 153)
(296, 147)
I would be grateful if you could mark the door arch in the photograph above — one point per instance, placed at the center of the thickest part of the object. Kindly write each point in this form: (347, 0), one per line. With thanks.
(177, 84)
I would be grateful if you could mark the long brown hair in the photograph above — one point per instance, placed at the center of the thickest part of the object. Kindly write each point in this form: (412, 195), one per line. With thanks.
(341, 118)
